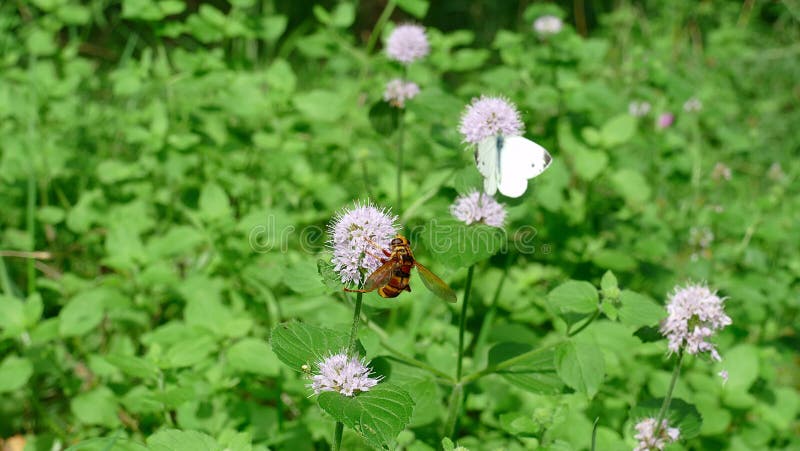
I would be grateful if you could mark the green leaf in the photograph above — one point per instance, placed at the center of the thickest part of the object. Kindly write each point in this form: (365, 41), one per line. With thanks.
(297, 344)
(189, 351)
(12, 316)
(458, 245)
(82, 313)
(609, 287)
(742, 364)
(638, 310)
(535, 373)
(618, 130)
(681, 414)
(631, 185)
(417, 8)
(384, 118)
(323, 106)
(97, 407)
(378, 415)
(14, 373)
(252, 355)
(589, 163)
(133, 366)
(574, 296)
(581, 366)
(175, 440)
(214, 203)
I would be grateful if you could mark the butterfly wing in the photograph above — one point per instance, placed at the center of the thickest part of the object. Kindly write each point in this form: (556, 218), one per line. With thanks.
(520, 159)
(488, 162)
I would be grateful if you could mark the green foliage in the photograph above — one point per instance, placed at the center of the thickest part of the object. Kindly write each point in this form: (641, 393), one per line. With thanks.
(168, 170)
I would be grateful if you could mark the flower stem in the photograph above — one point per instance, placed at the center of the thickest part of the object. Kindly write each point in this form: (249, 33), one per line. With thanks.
(400, 132)
(668, 397)
(351, 347)
(463, 321)
(31, 225)
(351, 350)
(337, 436)
(456, 397)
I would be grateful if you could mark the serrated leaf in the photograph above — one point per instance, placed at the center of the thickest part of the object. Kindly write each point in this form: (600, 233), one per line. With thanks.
(458, 245)
(638, 310)
(377, 415)
(98, 406)
(580, 365)
(681, 414)
(535, 373)
(176, 440)
(574, 296)
(297, 344)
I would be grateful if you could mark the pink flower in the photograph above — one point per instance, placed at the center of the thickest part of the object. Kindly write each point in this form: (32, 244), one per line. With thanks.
(398, 91)
(695, 314)
(724, 375)
(665, 120)
(478, 207)
(489, 116)
(407, 43)
(646, 434)
(357, 237)
(346, 375)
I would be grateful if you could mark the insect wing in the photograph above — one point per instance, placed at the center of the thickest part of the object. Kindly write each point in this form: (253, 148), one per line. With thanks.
(488, 162)
(520, 159)
(435, 284)
(380, 276)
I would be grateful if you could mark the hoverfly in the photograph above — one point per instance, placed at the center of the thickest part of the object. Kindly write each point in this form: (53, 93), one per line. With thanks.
(391, 278)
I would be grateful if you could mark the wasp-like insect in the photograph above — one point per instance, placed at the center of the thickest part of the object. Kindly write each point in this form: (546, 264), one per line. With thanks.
(391, 278)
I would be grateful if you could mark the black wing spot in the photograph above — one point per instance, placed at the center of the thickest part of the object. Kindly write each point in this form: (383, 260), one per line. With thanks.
(547, 159)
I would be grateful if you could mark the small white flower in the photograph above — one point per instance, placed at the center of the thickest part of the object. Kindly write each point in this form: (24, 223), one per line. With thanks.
(646, 434)
(695, 314)
(721, 171)
(638, 108)
(346, 375)
(692, 105)
(398, 91)
(478, 207)
(548, 25)
(724, 375)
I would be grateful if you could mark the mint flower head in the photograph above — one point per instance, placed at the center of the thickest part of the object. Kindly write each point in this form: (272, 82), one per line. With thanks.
(407, 43)
(340, 373)
(665, 120)
(478, 207)
(547, 25)
(398, 91)
(646, 434)
(357, 236)
(695, 314)
(489, 116)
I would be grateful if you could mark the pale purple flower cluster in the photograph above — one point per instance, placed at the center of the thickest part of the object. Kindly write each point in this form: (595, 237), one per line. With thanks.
(692, 105)
(489, 116)
(407, 43)
(340, 373)
(398, 91)
(695, 313)
(478, 207)
(646, 434)
(665, 120)
(638, 108)
(548, 25)
(357, 237)
(721, 171)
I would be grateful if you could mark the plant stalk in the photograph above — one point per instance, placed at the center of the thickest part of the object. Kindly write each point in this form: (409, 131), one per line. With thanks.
(456, 397)
(668, 397)
(463, 322)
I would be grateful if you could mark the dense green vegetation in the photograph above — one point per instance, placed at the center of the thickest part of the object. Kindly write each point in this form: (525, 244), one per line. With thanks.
(168, 170)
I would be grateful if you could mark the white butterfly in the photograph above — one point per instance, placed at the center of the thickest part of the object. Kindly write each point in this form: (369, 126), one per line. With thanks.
(507, 163)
